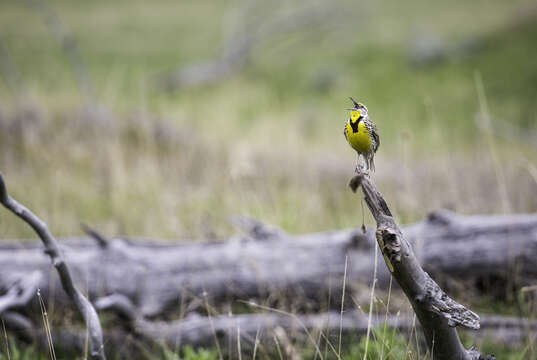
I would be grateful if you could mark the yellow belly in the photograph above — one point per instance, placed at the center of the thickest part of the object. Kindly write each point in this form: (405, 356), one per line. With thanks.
(360, 140)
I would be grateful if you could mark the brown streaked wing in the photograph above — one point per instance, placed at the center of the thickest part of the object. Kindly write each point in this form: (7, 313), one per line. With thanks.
(375, 135)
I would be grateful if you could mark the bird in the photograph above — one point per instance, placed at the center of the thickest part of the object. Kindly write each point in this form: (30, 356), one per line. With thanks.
(362, 135)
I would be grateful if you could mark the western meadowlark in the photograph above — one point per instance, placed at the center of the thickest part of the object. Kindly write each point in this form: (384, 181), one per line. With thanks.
(362, 135)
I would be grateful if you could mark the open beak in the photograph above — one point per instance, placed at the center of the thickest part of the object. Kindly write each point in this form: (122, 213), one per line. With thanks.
(354, 102)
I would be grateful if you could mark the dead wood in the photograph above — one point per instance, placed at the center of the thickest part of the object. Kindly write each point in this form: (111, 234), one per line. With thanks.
(147, 278)
(19, 294)
(439, 315)
(200, 330)
(266, 261)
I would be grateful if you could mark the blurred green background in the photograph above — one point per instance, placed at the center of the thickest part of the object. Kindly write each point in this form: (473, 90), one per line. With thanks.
(104, 118)
(94, 130)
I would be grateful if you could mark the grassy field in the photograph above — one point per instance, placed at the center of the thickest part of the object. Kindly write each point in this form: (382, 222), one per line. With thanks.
(87, 135)
(266, 141)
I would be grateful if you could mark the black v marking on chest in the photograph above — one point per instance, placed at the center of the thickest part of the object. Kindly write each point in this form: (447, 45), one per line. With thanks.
(354, 125)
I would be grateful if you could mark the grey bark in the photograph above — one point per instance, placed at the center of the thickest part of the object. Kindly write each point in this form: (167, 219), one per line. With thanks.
(158, 276)
(439, 315)
(200, 330)
(19, 297)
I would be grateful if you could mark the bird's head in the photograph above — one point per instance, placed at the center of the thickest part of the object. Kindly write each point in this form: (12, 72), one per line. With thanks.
(358, 111)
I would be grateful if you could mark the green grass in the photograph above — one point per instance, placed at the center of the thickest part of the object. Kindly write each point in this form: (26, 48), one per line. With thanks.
(219, 164)
(267, 141)
(19, 351)
(388, 344)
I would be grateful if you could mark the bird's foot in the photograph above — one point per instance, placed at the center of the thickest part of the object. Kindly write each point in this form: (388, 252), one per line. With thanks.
(361, 170)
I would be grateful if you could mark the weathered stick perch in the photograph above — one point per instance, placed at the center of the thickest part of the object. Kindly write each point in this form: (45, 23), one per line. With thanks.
(438, 313)
(82, 304)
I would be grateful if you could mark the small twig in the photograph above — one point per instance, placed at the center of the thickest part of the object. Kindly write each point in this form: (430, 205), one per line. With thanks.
(81, 303)
(101, 240)
(119, 304)
(257, 229)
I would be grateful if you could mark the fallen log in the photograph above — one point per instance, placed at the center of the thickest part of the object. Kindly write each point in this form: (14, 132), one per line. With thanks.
(257, 329)
(158, 277)
(201, 330)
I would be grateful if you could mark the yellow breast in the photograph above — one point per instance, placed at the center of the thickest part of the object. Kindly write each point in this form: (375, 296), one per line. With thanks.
(359, 140)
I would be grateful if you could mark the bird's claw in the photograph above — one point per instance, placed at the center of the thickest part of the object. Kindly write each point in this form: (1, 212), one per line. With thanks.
(360, 169)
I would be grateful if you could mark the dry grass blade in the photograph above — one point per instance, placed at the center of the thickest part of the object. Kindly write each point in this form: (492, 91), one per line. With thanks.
(371, 303)
(216, 342)
(297, 319)
(239, 342)
(485, 119)
(342, 305)
(386, 319)
(46, 324)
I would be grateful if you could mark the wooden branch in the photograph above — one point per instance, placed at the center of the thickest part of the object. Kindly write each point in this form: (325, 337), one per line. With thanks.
(437, 312)
(82, 304)
(101, 240)
(257, 229)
